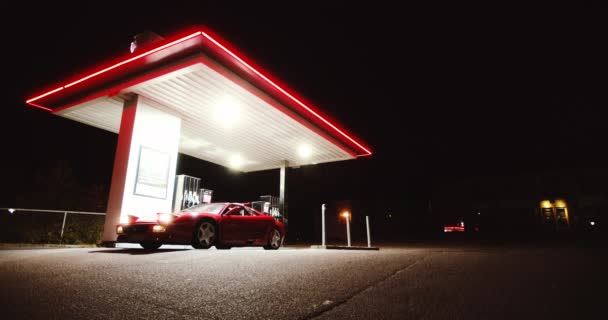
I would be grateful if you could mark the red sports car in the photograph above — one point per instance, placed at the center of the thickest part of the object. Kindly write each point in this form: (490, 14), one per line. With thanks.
(223, 225)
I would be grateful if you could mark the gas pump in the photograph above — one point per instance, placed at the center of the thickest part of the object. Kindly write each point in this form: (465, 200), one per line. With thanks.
(269, 205)
(187, 192)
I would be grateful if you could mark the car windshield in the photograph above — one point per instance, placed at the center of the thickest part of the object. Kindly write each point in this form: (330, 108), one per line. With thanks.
(214, 208)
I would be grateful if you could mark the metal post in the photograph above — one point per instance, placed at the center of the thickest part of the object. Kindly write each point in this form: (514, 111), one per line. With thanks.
(65, 214)
(283, 191)
(323, 224)
(369, 239)
(348, 229)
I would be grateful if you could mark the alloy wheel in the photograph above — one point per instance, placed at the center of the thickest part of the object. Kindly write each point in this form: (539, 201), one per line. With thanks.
(206, 234)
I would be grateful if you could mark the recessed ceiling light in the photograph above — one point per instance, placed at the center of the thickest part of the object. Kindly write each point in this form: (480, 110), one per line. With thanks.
(304, 151)
(226, 112)
(236, 161)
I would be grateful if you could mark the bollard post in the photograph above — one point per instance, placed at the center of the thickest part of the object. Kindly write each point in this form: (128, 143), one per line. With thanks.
(348, 229)
(323, 224)
(369, 239)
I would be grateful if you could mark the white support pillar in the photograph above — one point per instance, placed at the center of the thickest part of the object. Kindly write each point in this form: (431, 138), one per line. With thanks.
(144, 164)
(283, 190)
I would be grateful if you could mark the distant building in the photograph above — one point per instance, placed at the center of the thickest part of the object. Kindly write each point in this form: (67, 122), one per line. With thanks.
(566, 200)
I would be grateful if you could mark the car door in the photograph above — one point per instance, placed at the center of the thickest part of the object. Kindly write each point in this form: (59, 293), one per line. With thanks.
(261, 224)
(237, 225)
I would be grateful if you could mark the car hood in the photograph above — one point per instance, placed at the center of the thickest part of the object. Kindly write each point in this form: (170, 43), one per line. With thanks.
(151, 217)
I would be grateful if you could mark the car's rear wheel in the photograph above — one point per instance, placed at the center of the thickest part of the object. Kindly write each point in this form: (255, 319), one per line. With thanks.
(275, 240)
(150, 245)
(205, 235)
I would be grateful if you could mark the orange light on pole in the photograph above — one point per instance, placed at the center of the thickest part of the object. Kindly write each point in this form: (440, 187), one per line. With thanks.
(346, 215)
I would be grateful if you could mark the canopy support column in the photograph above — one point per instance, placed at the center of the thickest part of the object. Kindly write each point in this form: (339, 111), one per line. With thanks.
(283, 191)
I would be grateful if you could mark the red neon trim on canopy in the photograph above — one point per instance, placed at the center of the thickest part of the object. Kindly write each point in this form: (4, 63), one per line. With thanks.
(44, 95)
(285, 93)
(219, 45)
(39, 106)
(134, 58)
(110, 68)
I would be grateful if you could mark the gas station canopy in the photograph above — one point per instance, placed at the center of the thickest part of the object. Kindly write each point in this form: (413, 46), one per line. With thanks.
(232, 113)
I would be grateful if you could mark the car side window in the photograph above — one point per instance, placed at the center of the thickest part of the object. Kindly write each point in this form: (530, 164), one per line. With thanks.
(246, 212)
(237, 211)
(241, 211)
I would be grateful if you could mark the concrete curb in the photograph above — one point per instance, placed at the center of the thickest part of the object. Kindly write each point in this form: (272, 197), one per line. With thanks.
(43, 245)
(344, 247)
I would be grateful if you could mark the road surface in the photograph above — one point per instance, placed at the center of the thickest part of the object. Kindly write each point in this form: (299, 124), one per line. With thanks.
(415, 281)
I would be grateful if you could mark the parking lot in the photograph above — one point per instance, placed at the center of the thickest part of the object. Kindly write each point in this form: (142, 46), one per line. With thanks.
(430, 281)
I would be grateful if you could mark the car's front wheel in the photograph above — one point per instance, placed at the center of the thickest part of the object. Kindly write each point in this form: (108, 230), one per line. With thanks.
(205, 235)
(275, 240)
(150, 245)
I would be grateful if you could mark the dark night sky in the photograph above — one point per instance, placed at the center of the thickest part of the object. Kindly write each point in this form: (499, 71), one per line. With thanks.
(439, 93)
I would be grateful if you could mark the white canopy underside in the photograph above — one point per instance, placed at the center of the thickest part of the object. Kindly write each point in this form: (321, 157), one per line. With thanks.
(220, 119)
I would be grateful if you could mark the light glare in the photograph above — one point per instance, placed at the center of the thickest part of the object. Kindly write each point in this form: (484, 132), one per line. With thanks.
(236, 162)
(124, 219)
(165, 218)
(560, 203)
(304, 151)
(158, 228)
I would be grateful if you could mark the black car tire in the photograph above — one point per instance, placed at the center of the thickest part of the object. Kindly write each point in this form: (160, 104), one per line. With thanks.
(274, 242)
(150, 245)
(204, 235)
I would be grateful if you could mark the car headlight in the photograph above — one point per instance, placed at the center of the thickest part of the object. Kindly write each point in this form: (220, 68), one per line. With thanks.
(158, 228)
(119, 230)
(127, 219)
(165, 218)
(124, 219)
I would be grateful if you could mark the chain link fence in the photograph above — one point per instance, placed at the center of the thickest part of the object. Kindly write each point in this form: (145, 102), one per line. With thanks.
(40, 226)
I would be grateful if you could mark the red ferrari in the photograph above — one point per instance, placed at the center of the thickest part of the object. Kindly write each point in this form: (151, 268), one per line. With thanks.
(223, 225)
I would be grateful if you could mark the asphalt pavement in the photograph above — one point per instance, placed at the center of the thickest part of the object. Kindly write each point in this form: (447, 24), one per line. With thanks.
(415, 281)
